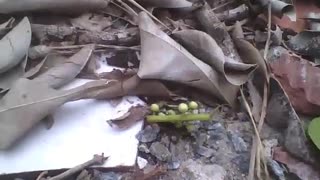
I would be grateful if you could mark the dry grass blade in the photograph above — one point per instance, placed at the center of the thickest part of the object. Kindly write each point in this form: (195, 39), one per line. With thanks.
(266, 49)
(146, 11)
(257, 136)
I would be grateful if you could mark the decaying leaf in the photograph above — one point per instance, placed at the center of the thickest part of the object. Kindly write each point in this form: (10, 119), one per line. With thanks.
(135, 114)
(306, 43)
(314, 131)
(205, 48)
(29, 101)
(92, 22)
(299, 79)
(165, 59)
(46, 32)
(14, 45)
(166, 3)
(302, 170)
(66, 6)
(63, 72)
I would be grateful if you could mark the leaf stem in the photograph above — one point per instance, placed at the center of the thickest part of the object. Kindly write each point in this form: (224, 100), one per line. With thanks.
(179, 118)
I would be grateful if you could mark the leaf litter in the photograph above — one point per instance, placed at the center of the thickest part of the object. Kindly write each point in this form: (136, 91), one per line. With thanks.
(221, 54)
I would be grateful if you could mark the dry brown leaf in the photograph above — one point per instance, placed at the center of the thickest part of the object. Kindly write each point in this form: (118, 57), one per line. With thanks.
(204, 47)
(165, 59)
(302, 170)
(299, 79)
(65, 6)
(58, 72)
(166, 3)
(135, 114)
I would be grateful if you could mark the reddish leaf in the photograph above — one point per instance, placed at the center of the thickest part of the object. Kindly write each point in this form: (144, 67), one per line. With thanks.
(300, 79)
(301, 169)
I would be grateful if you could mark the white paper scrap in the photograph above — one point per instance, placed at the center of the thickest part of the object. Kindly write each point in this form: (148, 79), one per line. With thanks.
(79, 131)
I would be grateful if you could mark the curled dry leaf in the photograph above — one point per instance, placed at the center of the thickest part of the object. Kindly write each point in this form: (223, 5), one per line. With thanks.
(66, 6)
(165, 59)
(29, 101)
(305, 43)
(302, 170)
(299, 79)
(204, 47)
(135, 114)
(14, 45)
(64, 71)
(166, 3)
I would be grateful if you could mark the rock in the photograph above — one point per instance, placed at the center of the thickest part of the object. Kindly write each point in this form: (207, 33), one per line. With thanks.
(149, 134)
(214, 126)
(160, 151)
(238, 143)
(173, 165)
(268, 146)
(201, 138)
(141, 162)
(165, 140)
(296, 142)
(204, 151)
(194, 170)
(110, 176)
(277, 111)
(143, 148)
(174, 139)
(242, 161)
(277, 169)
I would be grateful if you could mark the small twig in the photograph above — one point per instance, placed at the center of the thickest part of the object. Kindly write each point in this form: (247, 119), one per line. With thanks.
(266, 49)
(96, 160)
(179, 118)
(222, 5)
(41, 175)
(257, 135)
(146, 11)
(136, 48)
(128, 8)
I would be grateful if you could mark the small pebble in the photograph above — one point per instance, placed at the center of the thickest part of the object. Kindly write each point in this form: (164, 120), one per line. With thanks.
(238, 143)
(173, 165)
(141, 162)
(204, 151)
(160, 151)
(143, 148)
(149, 134)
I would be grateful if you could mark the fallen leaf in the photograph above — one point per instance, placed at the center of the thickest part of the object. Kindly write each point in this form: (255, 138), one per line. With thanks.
(135, 114)
(91, 22)
(14, 45)
(47, 32)
(314, 131)
(66, 6)
(165, 59)
(63, 72)
(7, 23)
(299, 79)
(29, 101)
(302, 170)
(305, 43)
(166, 3)
(205, 48)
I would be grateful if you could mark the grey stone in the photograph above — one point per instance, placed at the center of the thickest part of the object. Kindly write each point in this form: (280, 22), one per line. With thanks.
(204, 151)
(110, 176)
(173, 165)
(277, 169)
(238, 143)
(174, 139)
(165, 140)
(201, 138)
(194, 170)
(296, 142)
(242, 162)
(149, 134)
(143, 148)
(160, 151)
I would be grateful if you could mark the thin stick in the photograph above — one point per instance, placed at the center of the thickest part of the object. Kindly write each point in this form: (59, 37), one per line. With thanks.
(41, 175)
(266, 49)
(222, 5)
(179, 118)
(130, 10)
(96, 160)
(136, 48)
(259, 144)
(122, 8)
(146, 11)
